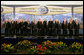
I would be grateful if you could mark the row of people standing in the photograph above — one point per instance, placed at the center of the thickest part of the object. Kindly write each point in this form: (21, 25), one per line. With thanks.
(42, 28)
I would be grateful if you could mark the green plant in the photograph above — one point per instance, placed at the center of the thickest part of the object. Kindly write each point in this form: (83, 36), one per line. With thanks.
(24, 44)
(6, 48)
(76, 47)
(39, 49)
(47, 47)
(54, 45)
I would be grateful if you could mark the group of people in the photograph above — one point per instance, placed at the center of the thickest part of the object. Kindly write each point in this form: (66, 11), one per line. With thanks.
(42, 28)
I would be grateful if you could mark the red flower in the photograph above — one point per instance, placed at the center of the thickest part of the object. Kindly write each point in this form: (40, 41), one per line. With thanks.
(39, 52)
(38, 46)
(44, 48)
(47, 43)
(53, 44)
(4, 44)
(38, 49)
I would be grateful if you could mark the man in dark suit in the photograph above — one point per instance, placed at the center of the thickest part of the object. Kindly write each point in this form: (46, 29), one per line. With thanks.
(32, 27)
(45, 27)
(64, 27)
(53, 28)
(39, 27)
(76, 27)
(6, 27)
(56, 25)
(28, 28)
(12, 30)
(42, 28)
(35, 29)
(25, 24)
(59, 28)
(70, 27)
(10, 27)
(15, 27)
(50, 23)
(21, 27)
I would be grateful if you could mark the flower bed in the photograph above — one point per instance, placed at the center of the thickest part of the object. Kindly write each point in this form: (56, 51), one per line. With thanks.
(24, 44)
(76, 47)
(47, 47)
(7, 48)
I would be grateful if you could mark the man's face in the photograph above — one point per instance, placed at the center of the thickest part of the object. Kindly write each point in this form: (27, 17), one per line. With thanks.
(71, 20)
(24, 20)
(53, 20)
(45, 19)
(59, 22)
(39, 19)
(76, 20)
(33, 20)
(9, 20)
(65, 19)
(27, 20)
(12, 21)
(50, 19)
(56, 20)
(6, 20)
